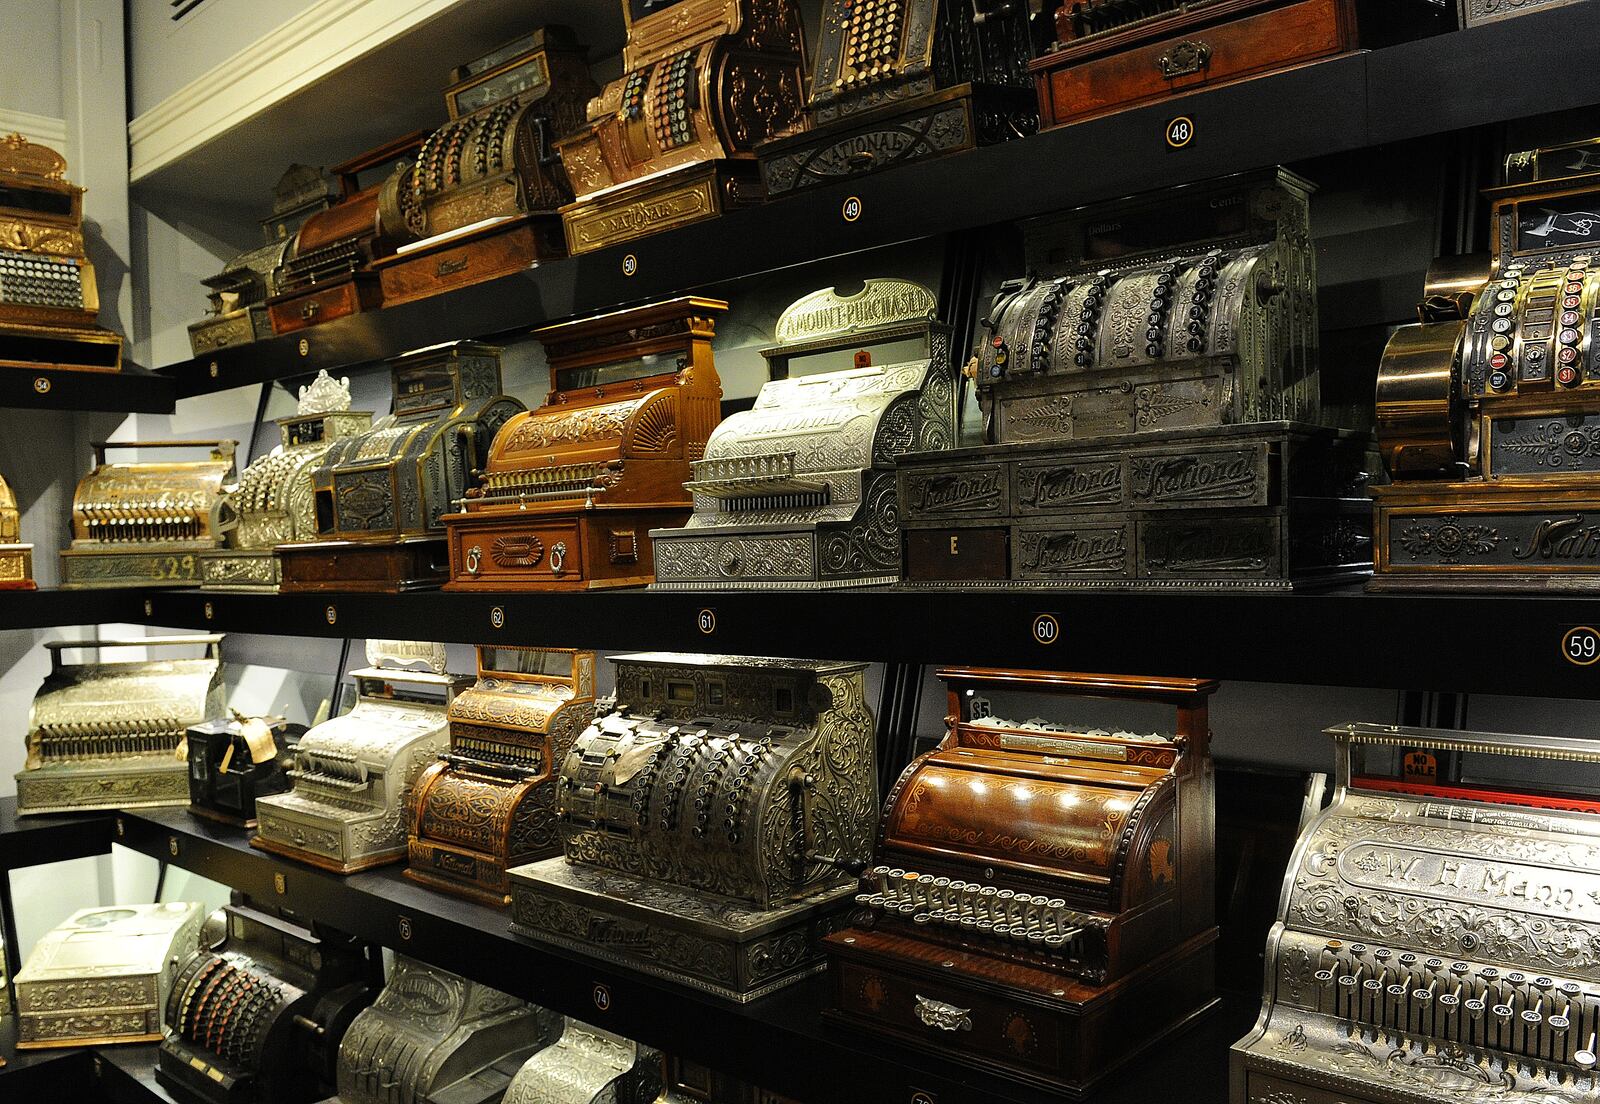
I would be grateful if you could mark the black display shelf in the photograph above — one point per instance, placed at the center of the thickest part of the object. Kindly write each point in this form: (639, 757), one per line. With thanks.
(38, 609)
(127, 1074)
(134, 390)
(779, 1042)
(36, 1075)
(36, 840)
(1340, 104)
(1347, 638)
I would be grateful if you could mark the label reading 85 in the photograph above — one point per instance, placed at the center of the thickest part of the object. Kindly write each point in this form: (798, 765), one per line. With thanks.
(1581, 646)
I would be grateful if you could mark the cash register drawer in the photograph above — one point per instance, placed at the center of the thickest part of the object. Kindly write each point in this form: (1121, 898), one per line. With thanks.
(957, 554)
(324, 302)
(1274, 1090)
(548, 550)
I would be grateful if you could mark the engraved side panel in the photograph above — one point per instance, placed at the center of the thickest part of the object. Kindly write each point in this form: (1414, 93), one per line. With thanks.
(1099, 548)
(971, 490)
(1069, 484)
(592, 226)
(1532, 539)
(1474, 12)
(1567, 444)
(755, 557)
(929, 130)
(1182, 546)
(1209, 476)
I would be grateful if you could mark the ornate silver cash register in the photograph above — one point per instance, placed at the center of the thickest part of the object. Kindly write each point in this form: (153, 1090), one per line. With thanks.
(710, 821)
(379, 495)
(353, 774)
(257, 1012)
(146, 523)
(272, 502)
(1151, 397)
(801, 488)
(1439, 931)
(587, 1065)
(110, 735)
(239, 293)
(434, 1037)
(103, 975)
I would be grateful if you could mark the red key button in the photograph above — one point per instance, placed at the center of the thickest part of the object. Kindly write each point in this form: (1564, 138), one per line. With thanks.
(1566, 354)
(1498, 360)
(1574, 289)
(1570, 318)
(1567, 376)
(1571, 302)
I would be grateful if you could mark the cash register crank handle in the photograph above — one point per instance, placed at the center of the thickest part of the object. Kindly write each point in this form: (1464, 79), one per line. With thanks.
(804, 783)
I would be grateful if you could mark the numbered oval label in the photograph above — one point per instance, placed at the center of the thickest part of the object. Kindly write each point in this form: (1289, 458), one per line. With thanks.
(1180, 132)
(1046, 629)
(602, 997)
(208, 611)
(41, 385)
(922, 1096)
(851, 210)
(1580, 646)
(630, 265)
(305, 347)
(403, 925)
(706, 621)
(216, 371)
(497, 617)
(332, 614)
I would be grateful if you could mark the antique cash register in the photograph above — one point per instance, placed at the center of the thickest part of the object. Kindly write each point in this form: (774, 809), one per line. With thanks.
(1042, 898)
(1438, 928)
(1475, 12)
(271, 504)
(570, 491)
(433, 1037)
(352, 775)
(670, 141)
(1114, 54)
(1151, 397)
(110, 735)
(103, 975)
(898, 81)
(148, 522)
(16, 560)
(489, 802)
(588, 1065)
(484, 195)
(801, 487)
(49, 303)
(239, 293)
(257, 1013)
(379, 496)
(710, 821)
(235, 759)
(1489, 410)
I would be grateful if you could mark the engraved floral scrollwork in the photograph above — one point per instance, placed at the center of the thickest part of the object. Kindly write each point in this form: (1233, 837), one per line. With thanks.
(1449, 540)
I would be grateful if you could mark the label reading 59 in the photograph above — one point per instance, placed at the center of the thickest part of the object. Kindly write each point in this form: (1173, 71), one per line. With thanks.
(1581, 646)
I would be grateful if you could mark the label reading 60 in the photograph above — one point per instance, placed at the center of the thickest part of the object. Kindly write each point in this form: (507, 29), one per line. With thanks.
(1581, 646)
(1046, 629)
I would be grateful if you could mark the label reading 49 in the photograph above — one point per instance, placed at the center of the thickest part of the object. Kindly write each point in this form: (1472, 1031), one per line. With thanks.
(1580, 646)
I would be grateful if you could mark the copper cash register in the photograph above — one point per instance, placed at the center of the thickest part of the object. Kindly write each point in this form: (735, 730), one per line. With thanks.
(1041, 901)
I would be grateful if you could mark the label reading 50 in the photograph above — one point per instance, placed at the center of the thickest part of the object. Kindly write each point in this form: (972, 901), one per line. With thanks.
(1581, 646)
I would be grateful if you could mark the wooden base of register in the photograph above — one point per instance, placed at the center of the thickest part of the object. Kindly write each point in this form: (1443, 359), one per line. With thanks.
(583, 549)
(392, 567)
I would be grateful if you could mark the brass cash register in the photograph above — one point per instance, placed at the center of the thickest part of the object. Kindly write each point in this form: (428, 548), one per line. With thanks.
(570, 491)
(1150, 397)
(801, 488)
(1489, 410)
(484, 194)
(110, 735)
(148, 522)
(353, 774)
(434, 1037)
(1043, 899)
(1438, 937)
(379, 496)
(103, 975)
(48, 299)
(489, 803)
(272, 502)
(898, 81)
(16, 560)
(670, 141)
(709, 821)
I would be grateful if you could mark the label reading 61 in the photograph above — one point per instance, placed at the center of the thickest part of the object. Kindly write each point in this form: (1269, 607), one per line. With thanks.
(1581, 646)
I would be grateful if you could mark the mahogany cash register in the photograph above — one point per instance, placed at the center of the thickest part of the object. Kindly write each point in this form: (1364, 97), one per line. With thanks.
(272, 502)
(148, 522)
(16, 560)
(1042, 904)
(256, 1014)
(48, 299)
(670, 141)
(486, 188)
(1439, 931)
(1151, 398)
(1489, 410)
(489, 803)
(710, 821)
(379, 496)
(898, 81)
(353, 774)
(110, 735)
(570, 491)
(802, 486)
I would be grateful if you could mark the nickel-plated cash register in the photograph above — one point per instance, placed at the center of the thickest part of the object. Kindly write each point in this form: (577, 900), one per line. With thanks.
(570, 491)
(1151, 398)
(1489, 409)
(671, 141)
(352, 775)
(1438, 930)
(489, 803)
(110, 735)
(801, 488)
(589, 1065)
(1041, 902)
(16, 559)
(710, 821)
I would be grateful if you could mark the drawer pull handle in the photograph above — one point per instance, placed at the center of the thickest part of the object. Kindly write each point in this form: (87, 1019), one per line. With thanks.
(474, 559)
(558, 557)
(945, 1017)
(1186, 57)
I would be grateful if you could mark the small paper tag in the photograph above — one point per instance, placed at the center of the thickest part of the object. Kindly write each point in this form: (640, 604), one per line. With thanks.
(258, 738)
